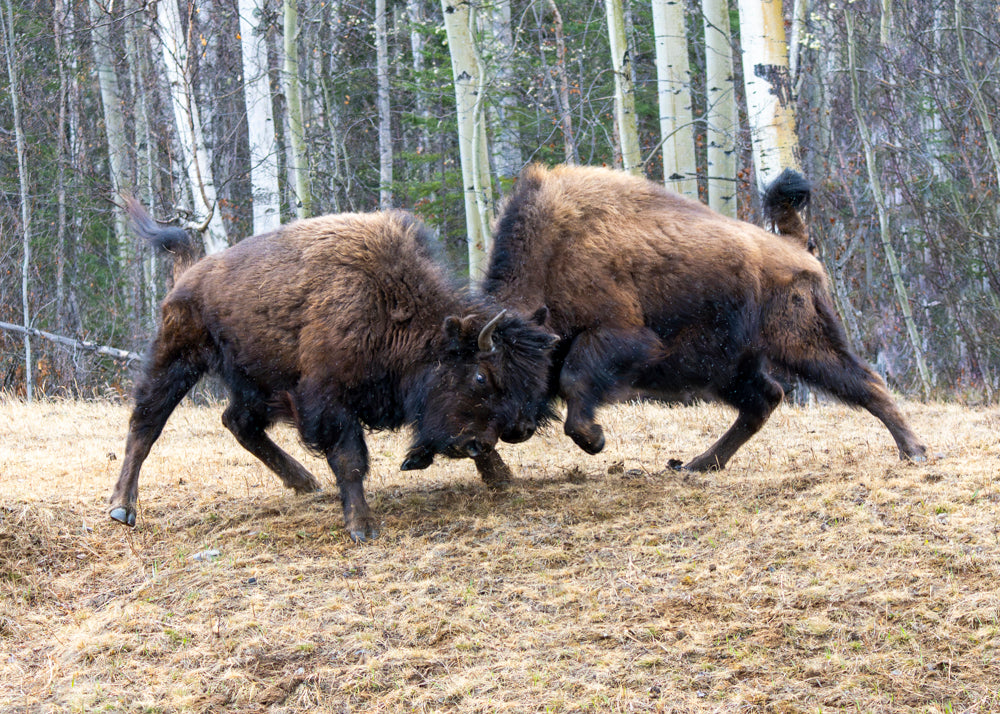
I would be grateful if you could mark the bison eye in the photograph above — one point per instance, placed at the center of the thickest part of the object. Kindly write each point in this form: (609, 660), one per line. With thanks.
(480, 377)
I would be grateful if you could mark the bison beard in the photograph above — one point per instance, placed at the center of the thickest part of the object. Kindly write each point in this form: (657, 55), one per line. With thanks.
(657, 295)
(336, 323)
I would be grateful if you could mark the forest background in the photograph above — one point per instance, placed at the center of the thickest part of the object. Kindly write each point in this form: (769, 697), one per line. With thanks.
(233, 116)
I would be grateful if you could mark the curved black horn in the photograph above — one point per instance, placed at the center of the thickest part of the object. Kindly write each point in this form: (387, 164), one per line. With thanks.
(486, 334)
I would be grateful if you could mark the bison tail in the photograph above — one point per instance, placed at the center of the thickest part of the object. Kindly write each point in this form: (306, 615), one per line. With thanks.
(172, 240)
(783, 200)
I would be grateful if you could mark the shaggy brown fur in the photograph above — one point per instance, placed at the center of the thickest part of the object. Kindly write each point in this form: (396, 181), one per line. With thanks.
(337, 322)
(655, 294)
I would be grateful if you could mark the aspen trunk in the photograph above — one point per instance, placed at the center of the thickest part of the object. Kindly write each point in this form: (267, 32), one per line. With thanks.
(260, 119)
(194, 151)
(673, 81)
(7, 27)
(299, 168)
(769, 94)
(621, 64)
(878, 197)
(384, 115)
(720, 118)
(466, 70)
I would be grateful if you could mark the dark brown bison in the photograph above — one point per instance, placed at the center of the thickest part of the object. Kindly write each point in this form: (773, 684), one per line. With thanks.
(655, 294)
(336, 323)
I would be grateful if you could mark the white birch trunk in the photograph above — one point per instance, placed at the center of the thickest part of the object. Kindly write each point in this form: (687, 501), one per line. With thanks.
(114, 122)
(561, 88)
(878, 196)
(298, 164)
(621, 64)
(384, 109)
(260, 119)
(720, 120)
(21, 149)
(477, 191)
(673, 82)
(770, 102)
(194, 151)
(506, 144)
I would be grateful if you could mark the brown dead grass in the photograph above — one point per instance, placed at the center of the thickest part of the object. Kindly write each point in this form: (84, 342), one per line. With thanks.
(817, 573)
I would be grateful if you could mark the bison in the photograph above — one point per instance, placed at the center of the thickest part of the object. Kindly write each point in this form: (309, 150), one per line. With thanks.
(336, 323)
(655, 294)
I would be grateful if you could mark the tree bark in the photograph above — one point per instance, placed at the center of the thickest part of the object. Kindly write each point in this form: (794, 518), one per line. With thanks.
(673, 81)
(260, 118)
(384, 115)
(621, 61)
(299, 168)
(466, 70)
(878, 196)
(7, 27)
(720, 118)
(194, 151)
(561, 90)
(506, 143)
(769, 95)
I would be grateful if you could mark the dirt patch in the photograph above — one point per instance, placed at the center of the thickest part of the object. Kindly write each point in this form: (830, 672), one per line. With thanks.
(817, 573)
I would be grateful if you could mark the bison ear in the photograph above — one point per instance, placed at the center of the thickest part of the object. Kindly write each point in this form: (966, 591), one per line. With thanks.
(540, 316)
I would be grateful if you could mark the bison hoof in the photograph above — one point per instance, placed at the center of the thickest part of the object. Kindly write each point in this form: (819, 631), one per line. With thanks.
(590, 439)
(703, 464)
(675, 464)
(125, 516)
(363, 533)
(417, 460)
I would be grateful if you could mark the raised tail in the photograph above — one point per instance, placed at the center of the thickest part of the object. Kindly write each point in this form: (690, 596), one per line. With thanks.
(172, 240)
(783, 201)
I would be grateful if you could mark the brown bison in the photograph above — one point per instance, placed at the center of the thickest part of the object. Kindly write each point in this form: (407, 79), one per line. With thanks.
(654, 294)
(336, 323)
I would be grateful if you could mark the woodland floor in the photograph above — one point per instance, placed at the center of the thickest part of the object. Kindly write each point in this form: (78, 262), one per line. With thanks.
(817, 573)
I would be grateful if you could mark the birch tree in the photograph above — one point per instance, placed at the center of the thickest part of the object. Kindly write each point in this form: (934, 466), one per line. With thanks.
(114, 121)
(466, 69)
(878, 196)
(260, 117)
(560, 87)
(621, 61)
(673, 82)
(299, 168)
(720, 117)
(506, 146)
(769, 96)
(7, 29)
(384, 115)
(194, 151)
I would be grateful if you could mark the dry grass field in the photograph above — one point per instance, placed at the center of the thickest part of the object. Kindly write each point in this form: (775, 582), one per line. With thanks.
(818, 573)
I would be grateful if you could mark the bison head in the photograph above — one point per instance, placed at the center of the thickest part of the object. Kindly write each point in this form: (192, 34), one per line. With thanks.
(491, 383)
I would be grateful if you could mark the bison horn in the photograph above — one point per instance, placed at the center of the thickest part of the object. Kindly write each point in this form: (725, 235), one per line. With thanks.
(486, 334)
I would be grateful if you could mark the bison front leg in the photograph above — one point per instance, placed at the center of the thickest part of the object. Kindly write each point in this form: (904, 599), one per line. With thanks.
(596, 364)
(348, 459)
(492, 469)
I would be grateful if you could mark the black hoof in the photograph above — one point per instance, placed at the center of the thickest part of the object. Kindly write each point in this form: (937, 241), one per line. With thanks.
(123, 516)
(417, 461)
(364, 535)
(675, 464)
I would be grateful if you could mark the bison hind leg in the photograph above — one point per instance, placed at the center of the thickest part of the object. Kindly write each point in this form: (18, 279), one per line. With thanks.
(754, 394)
(248, 420)
(824, 360)
(167, 379)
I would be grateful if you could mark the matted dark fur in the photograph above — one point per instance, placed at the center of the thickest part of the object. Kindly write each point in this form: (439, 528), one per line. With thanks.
(655, 294)
(337, 323)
